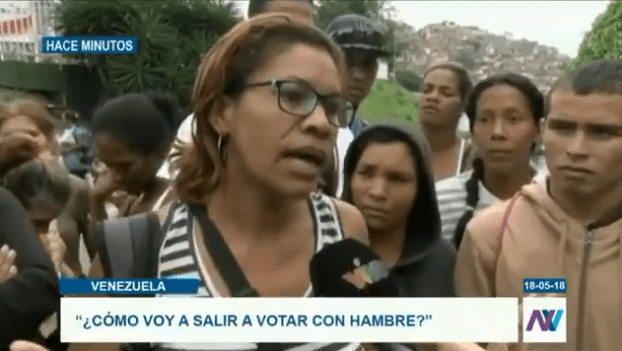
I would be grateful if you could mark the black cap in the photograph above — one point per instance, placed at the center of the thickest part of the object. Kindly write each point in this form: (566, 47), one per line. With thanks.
(356, 32)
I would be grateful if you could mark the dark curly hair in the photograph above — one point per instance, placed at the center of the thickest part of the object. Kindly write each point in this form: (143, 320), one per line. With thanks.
(523, 84)
(144, 122)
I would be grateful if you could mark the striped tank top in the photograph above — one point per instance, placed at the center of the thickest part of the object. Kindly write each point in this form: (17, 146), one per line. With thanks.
(179, 258)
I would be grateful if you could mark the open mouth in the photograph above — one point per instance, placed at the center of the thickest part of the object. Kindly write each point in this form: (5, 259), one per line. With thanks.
(309, 154)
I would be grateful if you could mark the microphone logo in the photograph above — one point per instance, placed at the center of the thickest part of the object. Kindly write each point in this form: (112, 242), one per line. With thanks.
(364, 274)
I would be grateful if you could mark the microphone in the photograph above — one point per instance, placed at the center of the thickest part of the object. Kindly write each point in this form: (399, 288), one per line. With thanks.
(348, 268)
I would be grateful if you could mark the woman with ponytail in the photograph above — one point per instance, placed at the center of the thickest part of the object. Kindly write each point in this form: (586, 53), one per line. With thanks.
(504, 114)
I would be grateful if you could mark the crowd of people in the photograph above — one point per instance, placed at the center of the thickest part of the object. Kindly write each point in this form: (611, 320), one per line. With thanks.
(275, 164)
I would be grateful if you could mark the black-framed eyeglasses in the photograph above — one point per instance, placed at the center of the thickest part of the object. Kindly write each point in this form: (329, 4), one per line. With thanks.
(298, 98)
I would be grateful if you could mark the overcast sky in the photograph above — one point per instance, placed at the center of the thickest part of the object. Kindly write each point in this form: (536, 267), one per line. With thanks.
(559, 24)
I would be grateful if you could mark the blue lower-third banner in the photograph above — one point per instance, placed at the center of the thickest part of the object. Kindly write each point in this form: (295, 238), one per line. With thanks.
(88, 286)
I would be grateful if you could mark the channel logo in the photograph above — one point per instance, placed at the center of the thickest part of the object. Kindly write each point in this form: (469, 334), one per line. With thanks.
(548, 320)
(544, 319)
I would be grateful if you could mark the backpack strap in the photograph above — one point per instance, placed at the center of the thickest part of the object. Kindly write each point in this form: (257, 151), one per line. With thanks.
(146, 229)
(116, 242)
(129, 246)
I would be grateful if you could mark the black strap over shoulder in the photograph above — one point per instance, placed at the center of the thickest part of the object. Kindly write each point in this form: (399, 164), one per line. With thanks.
(227, 265)
(223, 259)
(129, 246)
(149, 231)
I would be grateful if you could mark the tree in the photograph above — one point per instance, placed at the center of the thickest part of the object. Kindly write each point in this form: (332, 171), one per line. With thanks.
(173, 35)
(409, 79)
(604, 41)
(328, 10)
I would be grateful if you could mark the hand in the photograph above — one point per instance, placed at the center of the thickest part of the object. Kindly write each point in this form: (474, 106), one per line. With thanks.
(96, 169)
(18, 139)
(7, 268)
(24, 140)
(120, 198)
(54, 245)
(16, 149)
(105, 184)
(47, 155)
(21, 345)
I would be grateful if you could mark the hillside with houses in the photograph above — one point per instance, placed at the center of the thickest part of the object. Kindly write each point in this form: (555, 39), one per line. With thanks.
(481, 52)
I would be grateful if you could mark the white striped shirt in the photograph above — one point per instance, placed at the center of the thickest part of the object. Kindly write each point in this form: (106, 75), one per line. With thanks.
(178, 258)
(451, 194)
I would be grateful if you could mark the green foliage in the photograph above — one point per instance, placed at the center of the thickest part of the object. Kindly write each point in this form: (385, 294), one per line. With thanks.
(409, 79)
(605, 39)
(388, 99)
(328, 10)
(173, 35)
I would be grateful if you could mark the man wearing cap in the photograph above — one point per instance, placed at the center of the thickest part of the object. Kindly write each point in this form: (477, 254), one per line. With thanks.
(361, 43)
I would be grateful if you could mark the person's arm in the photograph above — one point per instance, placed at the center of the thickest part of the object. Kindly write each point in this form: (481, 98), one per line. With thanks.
(72, 222)
(96, 271)
(475, 267)
(477, 258)
(447, 289)
(32, 295)
(97, 208)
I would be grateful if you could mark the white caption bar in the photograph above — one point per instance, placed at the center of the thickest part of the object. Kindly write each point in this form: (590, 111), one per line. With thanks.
(225, 320)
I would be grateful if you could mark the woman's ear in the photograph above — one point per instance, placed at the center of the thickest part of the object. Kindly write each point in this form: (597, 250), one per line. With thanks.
(221, 115)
